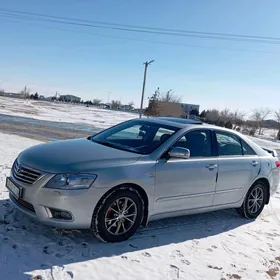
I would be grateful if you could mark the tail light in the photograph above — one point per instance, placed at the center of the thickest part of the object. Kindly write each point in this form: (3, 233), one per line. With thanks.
(277, 164)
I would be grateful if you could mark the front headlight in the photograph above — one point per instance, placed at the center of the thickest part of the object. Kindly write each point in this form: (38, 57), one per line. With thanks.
(71, 181)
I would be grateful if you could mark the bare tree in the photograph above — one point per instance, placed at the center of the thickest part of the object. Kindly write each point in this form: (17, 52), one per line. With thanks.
(238, 117)
(96, 101)
(259, 115)
(115, 104)
(169, 96)
(225, 114)
(277, 118)
(25, 92)
(153, 109)
(213, 115)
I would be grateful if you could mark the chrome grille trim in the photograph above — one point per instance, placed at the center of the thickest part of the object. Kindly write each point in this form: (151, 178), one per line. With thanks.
(25, 174)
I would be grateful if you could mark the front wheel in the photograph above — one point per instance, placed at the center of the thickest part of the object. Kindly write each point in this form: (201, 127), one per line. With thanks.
(119, 216)
(254, 201)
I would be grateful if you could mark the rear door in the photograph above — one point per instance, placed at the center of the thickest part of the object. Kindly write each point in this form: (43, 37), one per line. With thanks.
(238, 167)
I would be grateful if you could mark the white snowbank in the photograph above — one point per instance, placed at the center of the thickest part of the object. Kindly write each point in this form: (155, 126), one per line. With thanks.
(217, 245)
(60, 112)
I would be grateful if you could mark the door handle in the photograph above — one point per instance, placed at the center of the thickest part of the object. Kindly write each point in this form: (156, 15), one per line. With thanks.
(254, 163)
(211, 166)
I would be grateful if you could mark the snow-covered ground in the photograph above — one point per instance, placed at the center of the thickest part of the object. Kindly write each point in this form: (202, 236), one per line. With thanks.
(274, 145)
(60, 112)
(217, 245)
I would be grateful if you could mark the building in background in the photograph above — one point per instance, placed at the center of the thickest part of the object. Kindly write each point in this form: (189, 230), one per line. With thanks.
(70, 98)
(179, 110)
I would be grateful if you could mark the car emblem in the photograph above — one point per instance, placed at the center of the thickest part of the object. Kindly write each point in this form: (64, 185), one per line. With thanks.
(18, 169)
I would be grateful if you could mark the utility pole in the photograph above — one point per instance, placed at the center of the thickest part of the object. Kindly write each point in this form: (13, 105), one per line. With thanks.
(25, 92)
(144, 84)
(108, 100)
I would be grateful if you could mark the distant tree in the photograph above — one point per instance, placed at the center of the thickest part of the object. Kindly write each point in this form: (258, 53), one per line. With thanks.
(25, 92)
(212, 116)
(225, 115)
(152, 109)
(238, 118)
(259, 115)
(228, 124)
(96, 101)
(221, 123)
(252, 131)
(36, 96)
(115, 104)
(203, 114)
(31, 96)
(277, 118)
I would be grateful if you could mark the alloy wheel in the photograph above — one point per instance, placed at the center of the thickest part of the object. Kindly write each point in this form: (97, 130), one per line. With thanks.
(255, 200)
(120, 216)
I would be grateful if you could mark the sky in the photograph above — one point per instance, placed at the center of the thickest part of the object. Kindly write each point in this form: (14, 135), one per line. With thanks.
(108, 64)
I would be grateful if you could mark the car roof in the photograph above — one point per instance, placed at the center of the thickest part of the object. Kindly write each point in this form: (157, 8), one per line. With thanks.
(183, 123)
(171, 121)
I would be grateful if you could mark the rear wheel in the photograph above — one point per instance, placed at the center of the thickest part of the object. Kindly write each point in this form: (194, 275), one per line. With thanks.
(254, 201)
(119, 216)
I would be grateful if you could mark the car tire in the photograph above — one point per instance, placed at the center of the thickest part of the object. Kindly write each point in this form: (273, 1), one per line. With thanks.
(108, 225)
(254, 201)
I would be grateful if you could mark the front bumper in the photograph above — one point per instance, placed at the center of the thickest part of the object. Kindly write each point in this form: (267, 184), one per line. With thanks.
(37, 202)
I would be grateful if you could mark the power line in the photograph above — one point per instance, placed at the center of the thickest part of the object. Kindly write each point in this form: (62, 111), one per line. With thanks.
(145, 27)
(14, 19)
(138, 29)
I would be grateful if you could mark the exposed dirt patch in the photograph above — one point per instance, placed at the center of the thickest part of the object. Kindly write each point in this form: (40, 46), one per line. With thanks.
(234, 276)
(273, 272)
(215, 267)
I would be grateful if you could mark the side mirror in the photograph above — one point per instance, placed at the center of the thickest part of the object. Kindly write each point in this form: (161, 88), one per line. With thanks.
(178, 152)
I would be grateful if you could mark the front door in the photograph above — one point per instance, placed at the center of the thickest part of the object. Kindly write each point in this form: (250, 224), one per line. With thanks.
(238, 167)
(183, 184)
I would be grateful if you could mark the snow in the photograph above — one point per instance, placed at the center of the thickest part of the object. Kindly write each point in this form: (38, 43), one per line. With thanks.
(274, 145)
(61, 112)
(218, 245)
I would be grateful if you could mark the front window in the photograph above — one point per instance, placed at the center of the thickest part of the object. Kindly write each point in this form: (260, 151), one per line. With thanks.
(135, 136)
(198, 142)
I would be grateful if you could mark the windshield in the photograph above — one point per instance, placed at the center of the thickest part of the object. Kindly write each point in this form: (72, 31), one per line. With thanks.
(135, 136)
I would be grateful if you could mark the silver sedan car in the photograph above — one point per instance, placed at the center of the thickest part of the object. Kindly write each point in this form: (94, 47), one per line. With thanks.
(142, 170)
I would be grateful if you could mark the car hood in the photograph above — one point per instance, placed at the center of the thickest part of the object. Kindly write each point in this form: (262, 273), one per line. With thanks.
(78, 155)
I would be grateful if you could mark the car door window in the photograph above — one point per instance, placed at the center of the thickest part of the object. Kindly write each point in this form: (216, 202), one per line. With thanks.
(247, 150)
(228, 144)
(198, 142)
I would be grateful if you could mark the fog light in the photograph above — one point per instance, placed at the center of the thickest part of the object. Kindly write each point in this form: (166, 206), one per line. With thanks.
(60, 214)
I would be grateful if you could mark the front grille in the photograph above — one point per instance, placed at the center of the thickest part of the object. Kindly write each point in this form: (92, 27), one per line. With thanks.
(25, 174)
